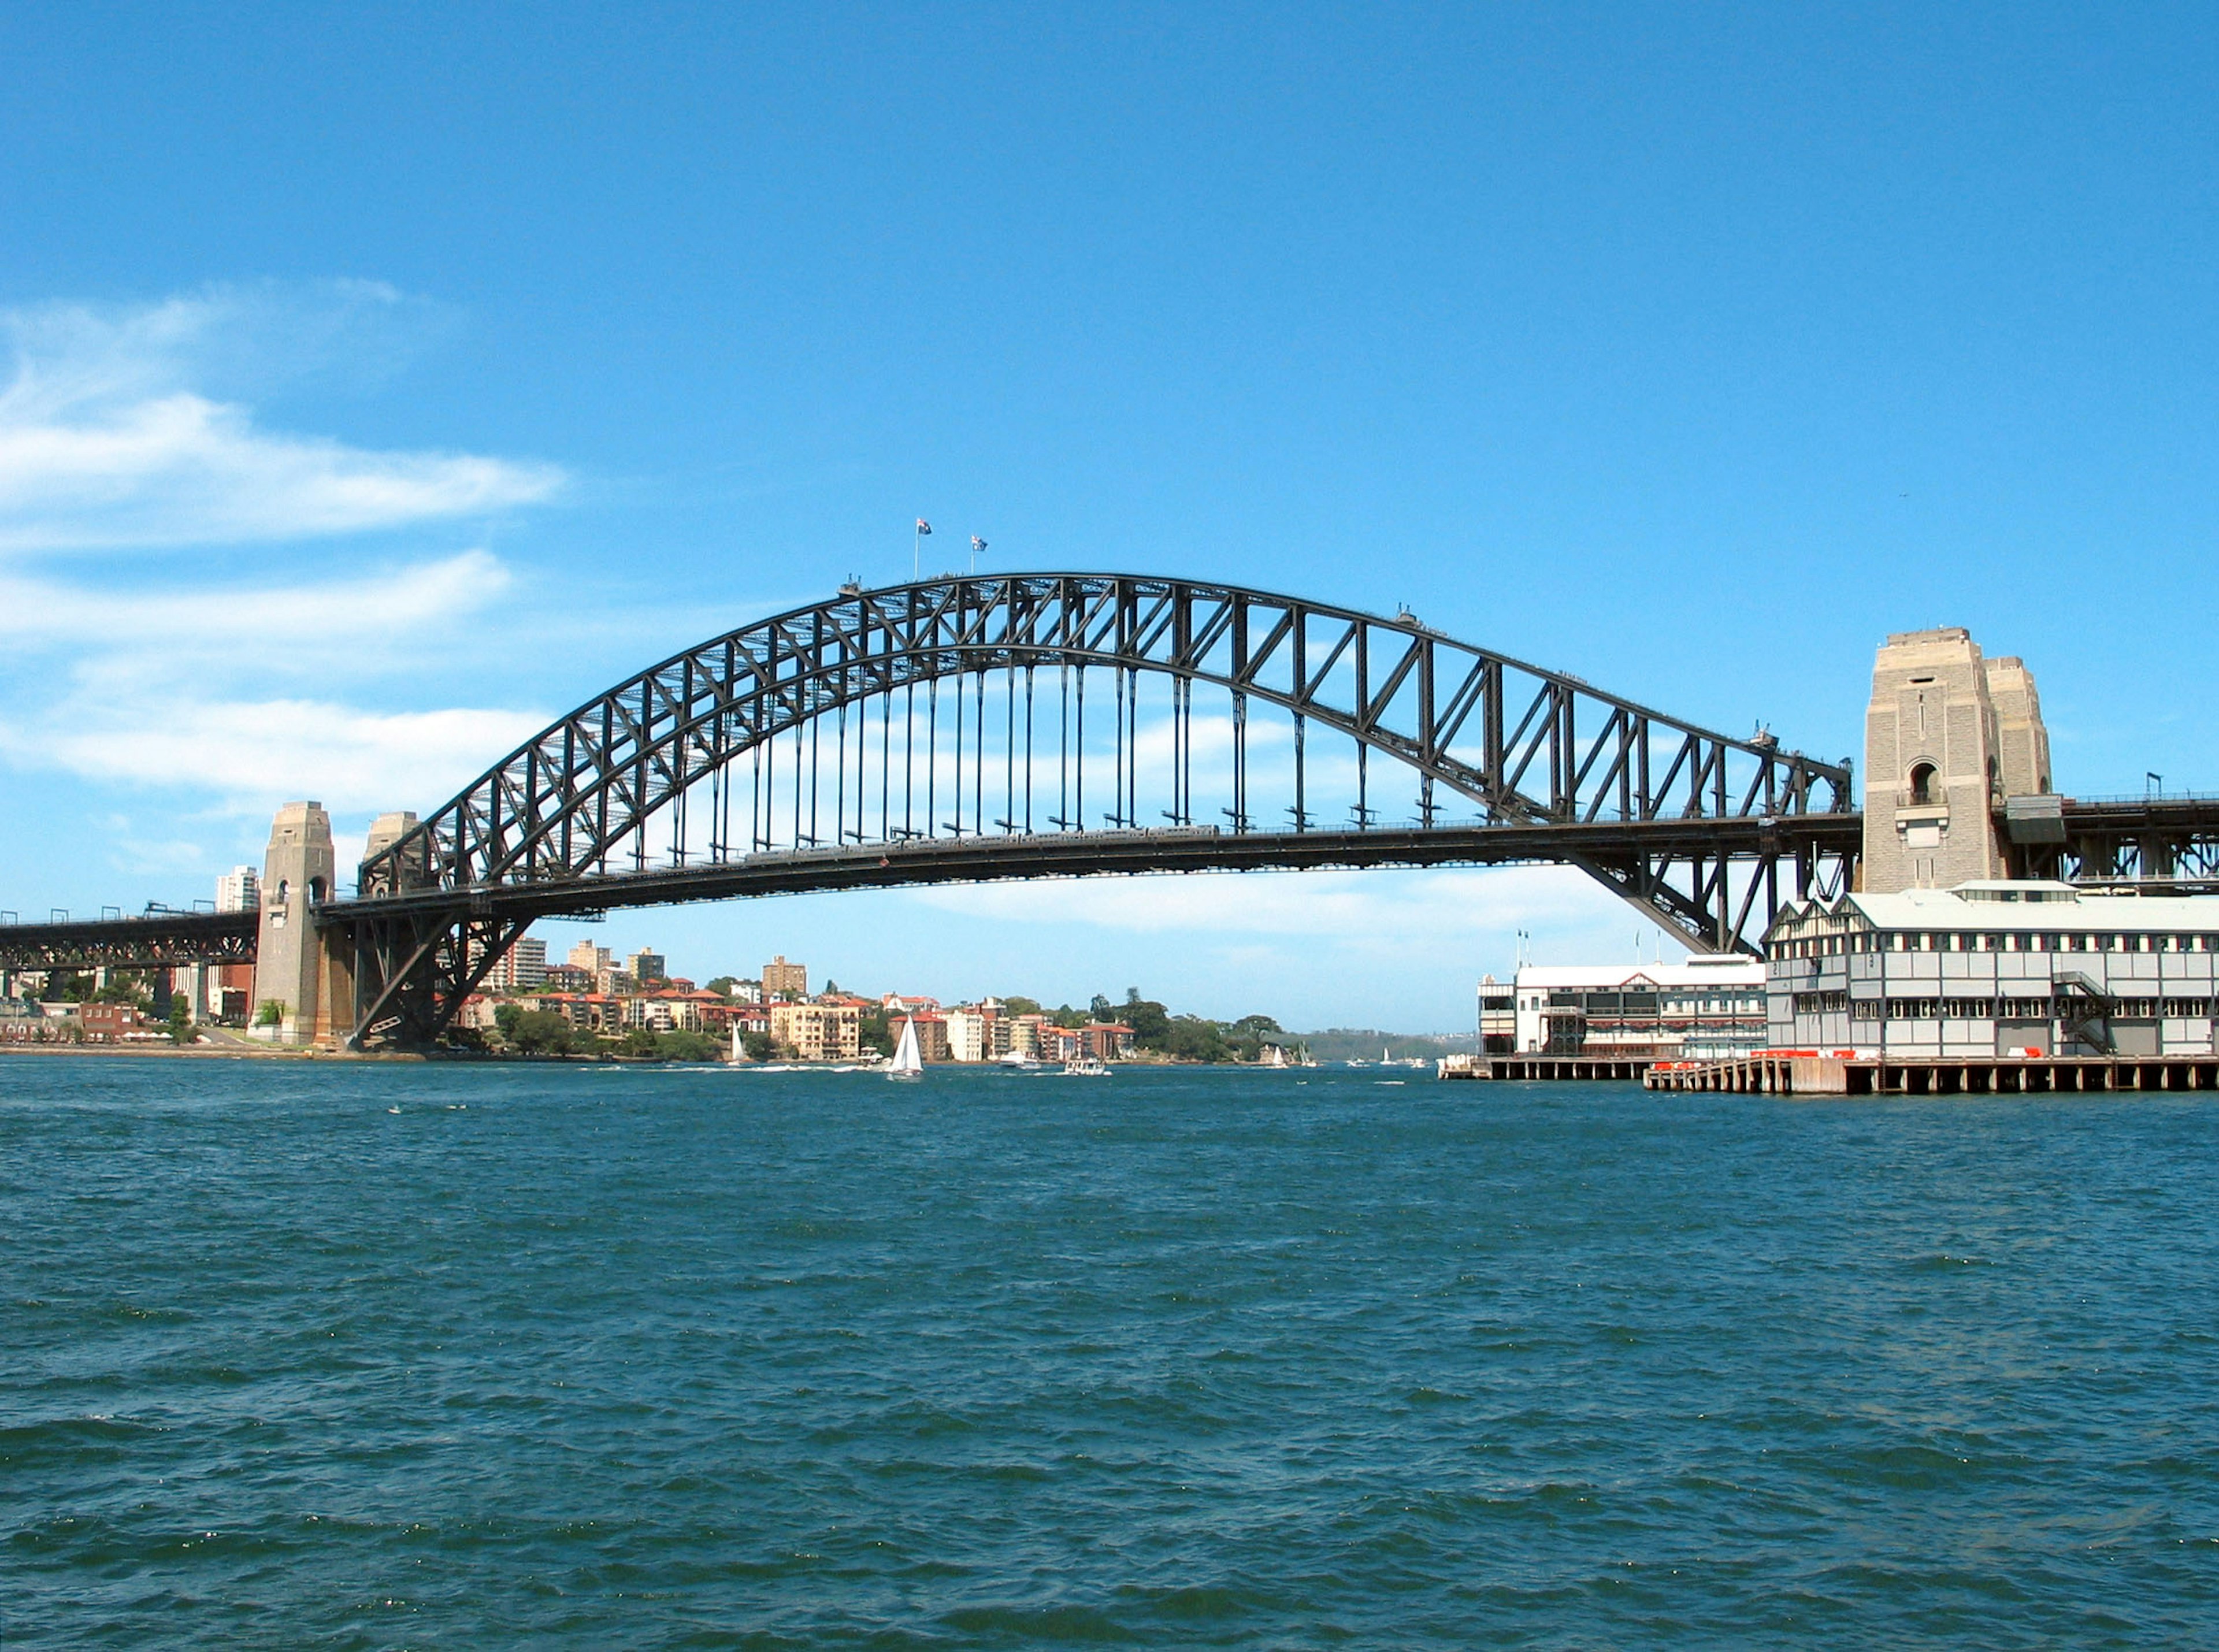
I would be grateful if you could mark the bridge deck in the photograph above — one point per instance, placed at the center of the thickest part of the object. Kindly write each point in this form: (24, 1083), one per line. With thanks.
(1079, 855)
(147, 940)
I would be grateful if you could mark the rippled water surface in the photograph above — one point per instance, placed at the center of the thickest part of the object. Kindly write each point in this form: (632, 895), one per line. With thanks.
(588, 1357)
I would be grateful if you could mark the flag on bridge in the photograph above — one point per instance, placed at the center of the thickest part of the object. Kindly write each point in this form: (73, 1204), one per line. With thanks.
(923, 526)
(977, 544)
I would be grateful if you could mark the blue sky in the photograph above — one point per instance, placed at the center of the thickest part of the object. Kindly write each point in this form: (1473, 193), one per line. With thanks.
(381, 381)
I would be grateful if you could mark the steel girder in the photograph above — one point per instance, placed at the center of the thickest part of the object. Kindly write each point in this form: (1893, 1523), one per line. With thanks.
(154, 941)
(414, 968)
(1522, 745)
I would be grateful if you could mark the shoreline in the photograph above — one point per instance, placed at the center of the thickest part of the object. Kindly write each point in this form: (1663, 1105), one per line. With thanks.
(210, 1053)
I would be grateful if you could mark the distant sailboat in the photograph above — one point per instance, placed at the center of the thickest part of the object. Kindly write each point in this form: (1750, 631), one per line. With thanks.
(907, 1062)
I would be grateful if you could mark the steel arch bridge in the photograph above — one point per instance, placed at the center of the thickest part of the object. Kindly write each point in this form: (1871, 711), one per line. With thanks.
(1057, 724)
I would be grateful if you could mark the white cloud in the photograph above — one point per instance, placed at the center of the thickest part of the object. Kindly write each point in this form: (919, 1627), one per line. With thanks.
(254, 755)
(173, 690)
(108, 437)
(400, 599)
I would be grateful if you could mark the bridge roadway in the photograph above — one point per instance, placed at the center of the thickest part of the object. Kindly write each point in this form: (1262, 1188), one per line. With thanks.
(154, 940)
(2095, 831)
(995, 856)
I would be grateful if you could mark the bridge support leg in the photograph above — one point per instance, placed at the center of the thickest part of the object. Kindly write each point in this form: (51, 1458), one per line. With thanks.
(412, 974)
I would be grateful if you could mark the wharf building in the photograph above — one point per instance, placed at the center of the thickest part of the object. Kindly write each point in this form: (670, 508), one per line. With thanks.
(1995, 968)
(1702, 1008)
(1940, 950)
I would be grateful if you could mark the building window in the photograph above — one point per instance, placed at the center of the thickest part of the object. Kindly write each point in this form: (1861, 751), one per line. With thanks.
(1922, 783)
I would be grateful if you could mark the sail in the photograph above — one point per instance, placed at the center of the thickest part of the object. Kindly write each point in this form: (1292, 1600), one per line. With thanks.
(907, 1061)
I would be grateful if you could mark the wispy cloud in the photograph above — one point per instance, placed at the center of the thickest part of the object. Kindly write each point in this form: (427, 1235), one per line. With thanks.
(251, 754)
(173, 690)
(112, 433)
(436, 593)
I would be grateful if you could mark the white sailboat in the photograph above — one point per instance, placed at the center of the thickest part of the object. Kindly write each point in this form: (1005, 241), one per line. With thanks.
(907, 1062)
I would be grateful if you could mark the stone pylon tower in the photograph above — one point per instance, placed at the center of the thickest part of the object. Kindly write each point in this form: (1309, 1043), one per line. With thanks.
(388, 829)
(288, 960)
(1948, 737)
(2022, 744)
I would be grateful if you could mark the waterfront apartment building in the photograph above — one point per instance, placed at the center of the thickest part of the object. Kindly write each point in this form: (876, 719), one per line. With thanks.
(783, 980)
(970, 1035)
(1996, 967)
(520, 969)
(816, 1031)
(1700, 1009)
(645, 967)
(239, 890)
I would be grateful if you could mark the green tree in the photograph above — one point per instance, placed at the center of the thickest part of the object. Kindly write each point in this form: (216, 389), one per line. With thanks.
(758, 1046)
(1190, 1038)
(272, 1014)
(722, 985)
(533, 1032)
(181, 1028)
(878, 1032)
(1017, 1004)
(1150, 1021)
(1100, 1009)
(681, 1045)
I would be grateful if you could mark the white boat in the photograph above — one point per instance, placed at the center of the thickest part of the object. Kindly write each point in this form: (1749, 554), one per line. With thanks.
(1085, 1067)
(1012, 1059)
(907, 1062)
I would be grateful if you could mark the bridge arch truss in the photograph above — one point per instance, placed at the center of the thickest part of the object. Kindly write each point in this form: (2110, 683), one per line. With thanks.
(993, 726)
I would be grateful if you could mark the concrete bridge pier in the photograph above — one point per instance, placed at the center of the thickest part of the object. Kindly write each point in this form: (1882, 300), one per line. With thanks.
(308, 974)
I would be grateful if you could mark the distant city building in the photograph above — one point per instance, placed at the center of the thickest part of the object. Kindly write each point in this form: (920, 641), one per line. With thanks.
(783, 980)
(646, 966)
(818, 1032)
(589, 958)
(969, 1035)
(520, 969)
(747, 992)
(1096, 1042)
(1996, 967)
(1696, 1010)
(567, 977)
(931, 1034)
(239, 890)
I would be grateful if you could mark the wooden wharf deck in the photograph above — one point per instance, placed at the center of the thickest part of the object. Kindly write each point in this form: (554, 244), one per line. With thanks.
(1511, 1069)
(1781, 1073)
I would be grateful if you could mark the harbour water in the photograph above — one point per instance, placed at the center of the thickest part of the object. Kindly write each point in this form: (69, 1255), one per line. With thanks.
(585, 1357)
